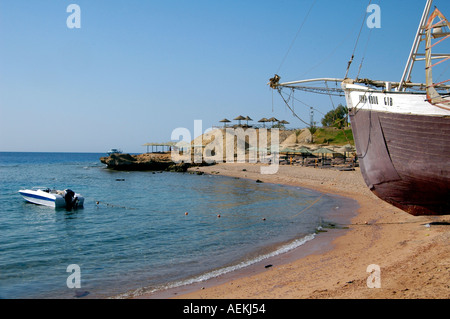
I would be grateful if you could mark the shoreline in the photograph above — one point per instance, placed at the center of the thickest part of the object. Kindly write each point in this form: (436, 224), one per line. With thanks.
(414, 259)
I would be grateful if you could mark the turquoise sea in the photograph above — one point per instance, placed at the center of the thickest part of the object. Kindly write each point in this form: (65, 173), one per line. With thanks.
(133, 231)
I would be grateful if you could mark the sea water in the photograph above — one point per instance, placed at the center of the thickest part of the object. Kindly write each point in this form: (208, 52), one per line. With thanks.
(149, 230)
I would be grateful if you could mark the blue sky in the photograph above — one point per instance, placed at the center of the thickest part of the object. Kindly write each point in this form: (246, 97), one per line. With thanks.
(137, 70)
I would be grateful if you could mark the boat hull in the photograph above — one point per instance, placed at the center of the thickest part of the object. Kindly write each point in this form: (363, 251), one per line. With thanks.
(404, 157)
(40, 197)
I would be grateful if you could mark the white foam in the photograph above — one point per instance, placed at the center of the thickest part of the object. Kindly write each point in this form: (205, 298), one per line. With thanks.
(215, 273)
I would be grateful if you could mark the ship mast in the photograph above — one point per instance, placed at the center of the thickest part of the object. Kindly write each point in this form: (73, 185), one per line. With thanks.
(435, 30)
(406, 77)
(425, 32)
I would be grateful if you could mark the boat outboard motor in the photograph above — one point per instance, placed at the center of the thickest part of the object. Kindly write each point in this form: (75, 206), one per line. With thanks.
(70, 198)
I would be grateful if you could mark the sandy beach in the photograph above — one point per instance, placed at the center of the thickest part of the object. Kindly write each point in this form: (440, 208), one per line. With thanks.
(413, 255)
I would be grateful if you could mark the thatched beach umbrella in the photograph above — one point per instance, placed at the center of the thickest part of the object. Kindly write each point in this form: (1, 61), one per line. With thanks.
(239, 118)
(264, 121)
(287, 150)
(247, 118)
(346, 149)
(225, 121)
(323, 151)
(283, 122)
(304, 150)
(273, 119)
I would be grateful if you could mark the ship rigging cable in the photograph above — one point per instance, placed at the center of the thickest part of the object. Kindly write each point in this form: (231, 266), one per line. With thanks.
(296, 35)
(356, 43)
(290, 108)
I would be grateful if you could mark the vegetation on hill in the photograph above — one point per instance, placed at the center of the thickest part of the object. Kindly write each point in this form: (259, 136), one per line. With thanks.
(333, 135)
(337, 117)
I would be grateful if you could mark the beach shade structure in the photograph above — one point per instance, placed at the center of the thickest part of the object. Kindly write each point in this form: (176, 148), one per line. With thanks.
(287, 150)
(274, 148)
(164, 146)
(304, 150)
(147, 144)
(225, 121)
(346, 149)
(273, 119)
(264, 121)
(283, 122)
(248, 118)
(323, 151)
(239, 118)
(301, 150)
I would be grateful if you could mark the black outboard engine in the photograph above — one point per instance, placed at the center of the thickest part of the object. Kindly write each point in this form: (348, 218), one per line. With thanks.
(71, 199)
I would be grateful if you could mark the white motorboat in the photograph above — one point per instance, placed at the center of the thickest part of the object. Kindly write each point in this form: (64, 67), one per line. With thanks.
(114, 151)
(53, 198)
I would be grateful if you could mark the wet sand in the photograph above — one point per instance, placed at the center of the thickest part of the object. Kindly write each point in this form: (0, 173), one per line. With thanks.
(413, 257)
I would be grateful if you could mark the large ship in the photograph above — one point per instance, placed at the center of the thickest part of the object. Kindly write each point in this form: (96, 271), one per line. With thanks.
(402, 129)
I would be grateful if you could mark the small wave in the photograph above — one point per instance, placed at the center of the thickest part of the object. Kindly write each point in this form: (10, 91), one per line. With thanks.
(221, 271)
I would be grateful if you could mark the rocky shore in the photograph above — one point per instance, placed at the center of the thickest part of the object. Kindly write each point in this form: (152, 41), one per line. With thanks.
(147, 162)
(144, 162)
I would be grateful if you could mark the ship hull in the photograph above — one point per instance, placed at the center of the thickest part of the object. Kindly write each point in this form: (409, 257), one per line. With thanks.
(404, 157)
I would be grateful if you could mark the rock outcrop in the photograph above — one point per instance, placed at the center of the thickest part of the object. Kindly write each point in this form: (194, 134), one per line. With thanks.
(144, 162)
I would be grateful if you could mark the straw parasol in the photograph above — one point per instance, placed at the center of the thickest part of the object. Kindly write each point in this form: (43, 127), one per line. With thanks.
(225, 121)
(323, 151)
(304, 150)
(248, 118)
(273, 119)
(346, 149)
(287, 150)
(239, 118)
(264, 121)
